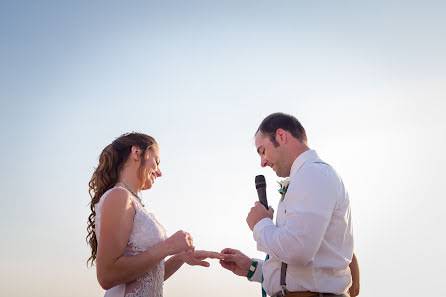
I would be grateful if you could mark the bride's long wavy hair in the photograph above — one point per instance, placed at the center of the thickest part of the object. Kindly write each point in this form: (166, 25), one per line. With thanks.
(106, 174)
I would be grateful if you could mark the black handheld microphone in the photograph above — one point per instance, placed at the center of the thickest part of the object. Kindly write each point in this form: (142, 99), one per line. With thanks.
(261, 190)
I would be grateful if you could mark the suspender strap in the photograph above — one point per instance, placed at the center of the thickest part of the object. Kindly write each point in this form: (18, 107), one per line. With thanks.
(282, 278)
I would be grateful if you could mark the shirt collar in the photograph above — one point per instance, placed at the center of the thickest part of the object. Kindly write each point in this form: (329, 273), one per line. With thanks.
(301, 159)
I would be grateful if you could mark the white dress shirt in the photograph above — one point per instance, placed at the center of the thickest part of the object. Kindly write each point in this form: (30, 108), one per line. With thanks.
(313, 232)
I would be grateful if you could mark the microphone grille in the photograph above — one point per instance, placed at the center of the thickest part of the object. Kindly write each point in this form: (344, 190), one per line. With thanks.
(260, 181)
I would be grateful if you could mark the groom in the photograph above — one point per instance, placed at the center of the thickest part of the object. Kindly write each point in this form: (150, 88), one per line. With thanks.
(310, 247)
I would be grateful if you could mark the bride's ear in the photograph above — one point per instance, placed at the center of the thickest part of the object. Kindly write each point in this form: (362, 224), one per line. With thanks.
(135, 153)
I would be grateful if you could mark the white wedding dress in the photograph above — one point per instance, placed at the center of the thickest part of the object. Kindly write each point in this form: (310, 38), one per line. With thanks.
(146, 232)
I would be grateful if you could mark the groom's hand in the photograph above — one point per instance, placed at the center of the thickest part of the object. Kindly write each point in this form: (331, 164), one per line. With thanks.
(257, 213)
(235, 261)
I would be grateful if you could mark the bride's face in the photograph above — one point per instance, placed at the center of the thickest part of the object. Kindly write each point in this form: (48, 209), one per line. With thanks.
(152, 170)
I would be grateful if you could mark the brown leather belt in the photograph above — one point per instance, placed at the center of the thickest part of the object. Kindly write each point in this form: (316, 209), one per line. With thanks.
(301, 294)
(306, 294)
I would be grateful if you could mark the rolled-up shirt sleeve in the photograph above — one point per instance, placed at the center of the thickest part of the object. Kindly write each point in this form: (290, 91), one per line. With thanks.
(306, 213)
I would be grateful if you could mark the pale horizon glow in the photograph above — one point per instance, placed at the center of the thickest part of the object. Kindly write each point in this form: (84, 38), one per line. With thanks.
(366, 79)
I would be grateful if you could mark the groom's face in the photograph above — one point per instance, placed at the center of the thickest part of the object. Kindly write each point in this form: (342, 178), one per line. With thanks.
(270, 155)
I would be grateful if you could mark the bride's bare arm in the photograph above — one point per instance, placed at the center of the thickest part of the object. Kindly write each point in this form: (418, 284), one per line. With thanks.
(113, 268)
(172, 265)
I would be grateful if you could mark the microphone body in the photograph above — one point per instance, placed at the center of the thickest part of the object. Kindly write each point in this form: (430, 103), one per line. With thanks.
(261, 190)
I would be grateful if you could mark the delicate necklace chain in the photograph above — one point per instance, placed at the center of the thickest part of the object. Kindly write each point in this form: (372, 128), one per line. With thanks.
(131, 191)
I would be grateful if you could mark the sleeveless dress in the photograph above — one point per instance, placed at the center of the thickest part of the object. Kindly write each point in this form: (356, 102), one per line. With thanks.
(146, 232)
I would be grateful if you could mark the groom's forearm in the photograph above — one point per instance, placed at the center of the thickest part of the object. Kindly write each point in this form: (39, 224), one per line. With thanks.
(172, 265)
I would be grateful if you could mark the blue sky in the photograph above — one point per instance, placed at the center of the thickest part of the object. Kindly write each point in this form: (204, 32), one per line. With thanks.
(366, 79)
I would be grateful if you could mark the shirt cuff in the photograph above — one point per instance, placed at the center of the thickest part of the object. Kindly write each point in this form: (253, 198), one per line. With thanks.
(257, 276)
(258, 228)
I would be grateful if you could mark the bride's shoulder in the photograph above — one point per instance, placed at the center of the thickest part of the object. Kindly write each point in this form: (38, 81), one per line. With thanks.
(117, 191)
(117, 199)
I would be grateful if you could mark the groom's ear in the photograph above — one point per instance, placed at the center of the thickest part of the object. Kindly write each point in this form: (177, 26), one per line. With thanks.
(281, 136)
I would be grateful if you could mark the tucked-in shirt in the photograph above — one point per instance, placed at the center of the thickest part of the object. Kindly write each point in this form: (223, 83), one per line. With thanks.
(313, 232)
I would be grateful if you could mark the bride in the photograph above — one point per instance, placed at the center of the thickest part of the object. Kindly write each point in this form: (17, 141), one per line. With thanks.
(127, 243)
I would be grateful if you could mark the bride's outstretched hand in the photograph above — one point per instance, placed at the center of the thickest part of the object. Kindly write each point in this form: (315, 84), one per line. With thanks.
(196, 257)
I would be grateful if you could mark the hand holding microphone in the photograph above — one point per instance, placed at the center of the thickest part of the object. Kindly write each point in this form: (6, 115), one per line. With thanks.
(260, 209)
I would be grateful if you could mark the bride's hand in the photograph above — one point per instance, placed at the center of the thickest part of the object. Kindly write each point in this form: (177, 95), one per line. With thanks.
(196, 257)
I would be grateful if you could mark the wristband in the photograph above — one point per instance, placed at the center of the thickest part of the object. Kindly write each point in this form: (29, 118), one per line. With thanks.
(252, 269)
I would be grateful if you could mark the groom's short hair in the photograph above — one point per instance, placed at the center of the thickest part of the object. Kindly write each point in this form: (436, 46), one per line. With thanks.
(283, 121)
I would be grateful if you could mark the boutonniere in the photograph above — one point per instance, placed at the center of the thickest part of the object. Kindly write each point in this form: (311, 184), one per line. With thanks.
(283, 187)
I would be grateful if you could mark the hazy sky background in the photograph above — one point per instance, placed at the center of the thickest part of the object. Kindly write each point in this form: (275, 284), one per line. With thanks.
(366, 79)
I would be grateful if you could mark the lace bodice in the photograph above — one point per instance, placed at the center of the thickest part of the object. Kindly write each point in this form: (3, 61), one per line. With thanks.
(146, 232)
